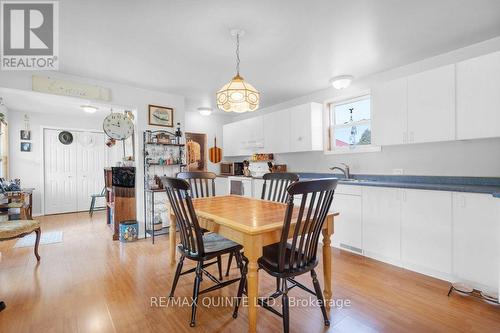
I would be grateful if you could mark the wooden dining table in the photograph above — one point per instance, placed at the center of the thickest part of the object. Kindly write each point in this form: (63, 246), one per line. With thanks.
(253, 223)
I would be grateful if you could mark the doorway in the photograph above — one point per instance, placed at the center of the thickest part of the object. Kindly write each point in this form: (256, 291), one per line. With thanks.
(73, 169)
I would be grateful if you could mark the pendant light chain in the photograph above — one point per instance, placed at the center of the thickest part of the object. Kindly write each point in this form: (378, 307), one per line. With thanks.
(238, 54)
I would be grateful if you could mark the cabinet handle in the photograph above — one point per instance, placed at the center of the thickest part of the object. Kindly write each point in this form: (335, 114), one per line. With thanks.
(299, 138)
(463, 201)
(404, 195)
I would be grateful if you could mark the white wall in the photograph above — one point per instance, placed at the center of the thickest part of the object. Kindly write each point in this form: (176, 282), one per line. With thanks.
(460, 158)
(28, 166)
(131, 97)
(210, 125)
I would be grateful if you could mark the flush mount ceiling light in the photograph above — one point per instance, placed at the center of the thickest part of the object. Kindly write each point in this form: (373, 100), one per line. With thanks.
(341, 82)
(205, 111)
(89, 108)
(237, 95)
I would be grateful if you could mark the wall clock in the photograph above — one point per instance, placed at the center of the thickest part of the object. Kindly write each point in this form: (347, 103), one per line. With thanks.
(118, 126)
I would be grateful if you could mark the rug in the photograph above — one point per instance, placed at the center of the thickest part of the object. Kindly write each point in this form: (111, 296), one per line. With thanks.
(47, 238)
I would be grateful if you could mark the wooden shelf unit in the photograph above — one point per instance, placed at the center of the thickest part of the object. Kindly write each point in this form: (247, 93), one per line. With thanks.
(120, 203)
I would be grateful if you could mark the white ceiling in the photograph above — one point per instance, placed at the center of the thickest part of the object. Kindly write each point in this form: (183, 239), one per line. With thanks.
(291, 47)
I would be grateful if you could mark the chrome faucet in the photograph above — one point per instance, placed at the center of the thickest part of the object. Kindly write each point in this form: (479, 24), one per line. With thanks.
(345, 170)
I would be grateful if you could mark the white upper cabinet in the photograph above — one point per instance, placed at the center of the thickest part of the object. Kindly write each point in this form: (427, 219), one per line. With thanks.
(476, 236)
(296, 129)
(251, 133)
(389, 110)
(426, 237)
(306, 127)
(478, 97)
(431, 105)
(243, 137)
(277, 132)
(230, 140)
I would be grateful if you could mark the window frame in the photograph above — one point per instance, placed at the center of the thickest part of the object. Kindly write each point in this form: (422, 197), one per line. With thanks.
(329, 125)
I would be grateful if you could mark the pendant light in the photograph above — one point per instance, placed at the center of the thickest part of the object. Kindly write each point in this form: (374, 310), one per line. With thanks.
(237, 95)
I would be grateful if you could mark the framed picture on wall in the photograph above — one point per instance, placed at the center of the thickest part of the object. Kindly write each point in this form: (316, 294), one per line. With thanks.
(26, 146)
(25, 135)
(196, 151)
(161, 116)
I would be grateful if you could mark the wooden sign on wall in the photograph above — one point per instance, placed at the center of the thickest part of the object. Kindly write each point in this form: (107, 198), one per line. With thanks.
(48, 85)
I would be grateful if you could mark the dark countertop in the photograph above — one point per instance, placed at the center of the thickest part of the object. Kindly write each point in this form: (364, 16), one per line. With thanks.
(487, 185)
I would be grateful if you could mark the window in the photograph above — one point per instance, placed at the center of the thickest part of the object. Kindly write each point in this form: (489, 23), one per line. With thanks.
(350, 125)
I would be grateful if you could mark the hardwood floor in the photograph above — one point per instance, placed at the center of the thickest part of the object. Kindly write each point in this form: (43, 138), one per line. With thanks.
(89, 283)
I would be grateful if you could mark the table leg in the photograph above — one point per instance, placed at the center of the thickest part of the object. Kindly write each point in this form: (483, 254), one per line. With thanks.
(172, 238)
(253, 251)
(327, 258)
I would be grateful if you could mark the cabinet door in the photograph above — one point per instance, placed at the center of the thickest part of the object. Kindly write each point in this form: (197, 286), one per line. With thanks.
(389, 113)
(300, 128)
(247, 188)
(382, 223)
(431, 105)
(426, 221)
(277, 132)
(347, 233)
(250, 135)
(476, 235)
(221, 186)
(478, 100)
(230, 142)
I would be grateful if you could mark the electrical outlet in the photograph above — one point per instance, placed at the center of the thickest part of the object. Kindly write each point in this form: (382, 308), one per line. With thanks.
(397, 171)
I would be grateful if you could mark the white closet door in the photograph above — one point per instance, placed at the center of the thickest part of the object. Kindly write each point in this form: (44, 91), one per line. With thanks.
(60, 174)
(90, 164)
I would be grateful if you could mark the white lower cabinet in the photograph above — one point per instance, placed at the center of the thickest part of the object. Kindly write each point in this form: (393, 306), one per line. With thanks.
(476, 235)
(448, 235)
(347, 233)
(426, 237)
(381, 223)
(221, 186)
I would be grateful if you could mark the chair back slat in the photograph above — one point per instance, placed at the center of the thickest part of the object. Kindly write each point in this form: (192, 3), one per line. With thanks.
(179, 196)
(275, 185)
(202, 183)
(317, 197)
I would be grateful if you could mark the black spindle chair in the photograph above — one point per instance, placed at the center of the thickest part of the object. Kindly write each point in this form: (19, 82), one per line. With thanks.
(203, 185)
(275, 190)
(287, 259)
(195, 245)
(278, 183)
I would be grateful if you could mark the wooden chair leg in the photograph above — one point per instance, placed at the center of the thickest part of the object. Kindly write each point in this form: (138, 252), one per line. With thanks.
(219, 266)
(244, 270)
(177, 275)
(286, 310)
(196, 291)
(229, 263)
(37, 242)
(92, 204)
(319, 295)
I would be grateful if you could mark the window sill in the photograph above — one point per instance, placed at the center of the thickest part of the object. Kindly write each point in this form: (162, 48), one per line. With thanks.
(357, 150)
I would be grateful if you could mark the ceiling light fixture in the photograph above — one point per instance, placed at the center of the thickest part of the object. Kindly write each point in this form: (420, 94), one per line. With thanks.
(237, 95)
(89, 108)
(341, 82)
(205, 111)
